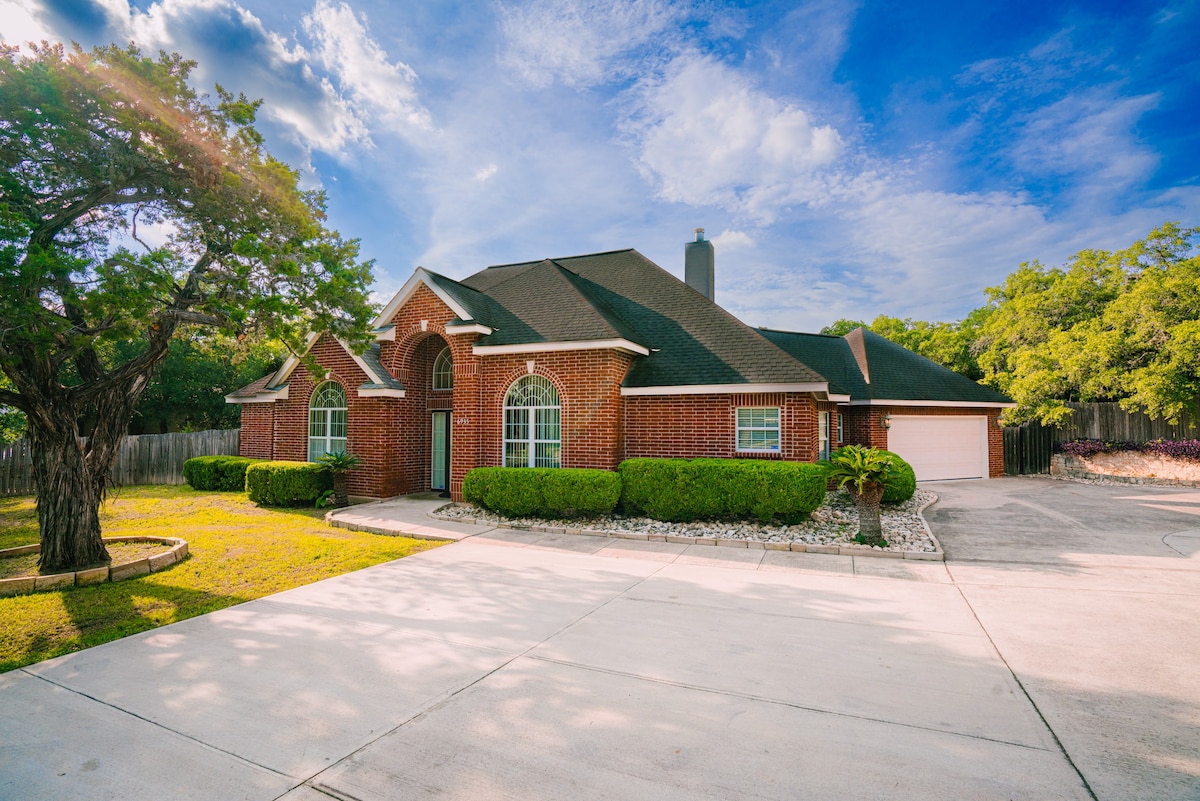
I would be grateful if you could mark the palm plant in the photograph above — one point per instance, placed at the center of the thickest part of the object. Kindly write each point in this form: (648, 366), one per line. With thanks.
(863, 471)
(340, 463)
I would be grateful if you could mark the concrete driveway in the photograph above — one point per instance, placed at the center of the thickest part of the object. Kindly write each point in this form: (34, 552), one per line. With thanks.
(518, 665)
(1091, 595)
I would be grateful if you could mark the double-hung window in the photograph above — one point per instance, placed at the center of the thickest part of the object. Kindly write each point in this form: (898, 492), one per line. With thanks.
(758, 429)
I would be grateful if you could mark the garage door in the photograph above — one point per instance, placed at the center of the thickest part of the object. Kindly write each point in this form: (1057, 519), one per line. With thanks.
(941, 448)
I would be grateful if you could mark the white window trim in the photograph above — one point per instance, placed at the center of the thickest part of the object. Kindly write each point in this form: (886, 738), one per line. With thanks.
(739, 428)
(824, 424)
(531, 442)
(450, 361)
(328, 414)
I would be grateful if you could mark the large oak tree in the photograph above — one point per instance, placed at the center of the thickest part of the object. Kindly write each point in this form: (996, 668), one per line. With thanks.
(130, 208)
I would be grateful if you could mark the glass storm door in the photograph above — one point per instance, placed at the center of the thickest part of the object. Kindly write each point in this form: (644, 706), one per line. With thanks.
(439, 461)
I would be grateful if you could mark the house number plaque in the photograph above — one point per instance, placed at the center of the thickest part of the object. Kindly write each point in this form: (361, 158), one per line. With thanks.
(462, 421)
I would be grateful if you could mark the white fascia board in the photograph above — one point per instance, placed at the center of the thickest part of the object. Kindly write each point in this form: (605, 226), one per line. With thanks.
(290, 363)
(941, 404)
(382, 392)
(386, 334)
(262, 397)
(420, 276)
(362, 365)
(472, 328)
(725, 389)
(543, 347)
(837, 398)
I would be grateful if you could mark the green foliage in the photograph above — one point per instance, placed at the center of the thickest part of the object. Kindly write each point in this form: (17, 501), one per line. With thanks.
(96, 147)
(1110, 326)
(901, 481)
(287, 483)
(188, 388)
(220, 473)
(576, 492)
(858, 466)
(338, 461)
(949, 344)
(543, 491)
(713, 489)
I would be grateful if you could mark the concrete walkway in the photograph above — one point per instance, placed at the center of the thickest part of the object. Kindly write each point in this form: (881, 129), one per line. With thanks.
(519, 665)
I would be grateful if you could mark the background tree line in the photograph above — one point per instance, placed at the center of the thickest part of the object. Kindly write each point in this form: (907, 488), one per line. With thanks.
(1119, 326)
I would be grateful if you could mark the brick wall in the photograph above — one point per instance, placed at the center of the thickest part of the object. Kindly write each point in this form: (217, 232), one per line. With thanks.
(258, 423)
(706, 425)
(589, 392)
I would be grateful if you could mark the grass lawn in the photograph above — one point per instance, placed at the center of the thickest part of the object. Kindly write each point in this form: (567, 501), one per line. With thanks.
(237, 552)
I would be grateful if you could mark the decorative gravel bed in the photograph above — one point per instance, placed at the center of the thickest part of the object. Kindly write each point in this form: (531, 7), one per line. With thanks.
(833, 524)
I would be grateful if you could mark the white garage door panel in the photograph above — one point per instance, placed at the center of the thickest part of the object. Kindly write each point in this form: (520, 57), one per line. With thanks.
(940, 448)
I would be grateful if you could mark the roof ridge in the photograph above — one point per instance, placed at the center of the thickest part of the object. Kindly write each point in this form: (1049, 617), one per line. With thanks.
(557, 259)
(610, 315)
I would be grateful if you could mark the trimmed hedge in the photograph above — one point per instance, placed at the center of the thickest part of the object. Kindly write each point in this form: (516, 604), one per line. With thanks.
(287, 483)
(551, 492)
(680, 490)
(901, 481)
(222, 473)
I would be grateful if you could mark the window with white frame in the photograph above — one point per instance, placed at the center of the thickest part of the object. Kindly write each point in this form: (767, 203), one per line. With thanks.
(326, 421)
(758, 429)
(823, 420)
(841, 429)
(443, 370)
(532, 424)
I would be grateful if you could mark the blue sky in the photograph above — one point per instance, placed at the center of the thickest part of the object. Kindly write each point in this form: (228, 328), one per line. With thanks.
(848, 159)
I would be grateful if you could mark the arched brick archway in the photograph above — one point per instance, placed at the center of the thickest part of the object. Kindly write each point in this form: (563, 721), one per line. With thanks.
(426, 413)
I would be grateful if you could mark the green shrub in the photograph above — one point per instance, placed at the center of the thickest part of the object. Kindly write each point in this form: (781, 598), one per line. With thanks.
(543, 491)
(680, 490)
(222, 473)
(901, 481)
(576, 492)
(287, 483)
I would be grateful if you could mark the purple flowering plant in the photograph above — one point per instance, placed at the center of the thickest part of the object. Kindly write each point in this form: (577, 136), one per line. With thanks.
(1179, 448)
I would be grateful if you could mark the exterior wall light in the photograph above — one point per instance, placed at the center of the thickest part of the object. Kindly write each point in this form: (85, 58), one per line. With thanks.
(885, 420)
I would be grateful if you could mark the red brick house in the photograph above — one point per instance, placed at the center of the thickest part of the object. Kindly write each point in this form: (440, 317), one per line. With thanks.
(588, 360)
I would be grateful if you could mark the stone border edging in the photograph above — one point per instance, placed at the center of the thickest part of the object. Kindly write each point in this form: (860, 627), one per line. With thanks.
(95, 575)
(795, 547)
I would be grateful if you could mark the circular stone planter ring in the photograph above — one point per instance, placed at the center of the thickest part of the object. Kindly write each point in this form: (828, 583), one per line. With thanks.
(94, 575)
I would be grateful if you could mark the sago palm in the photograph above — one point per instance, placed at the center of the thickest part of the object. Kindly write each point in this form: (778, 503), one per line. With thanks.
(863, 471)
(339, 463)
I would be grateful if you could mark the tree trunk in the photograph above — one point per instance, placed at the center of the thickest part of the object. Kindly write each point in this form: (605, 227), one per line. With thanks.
(870, 529)
(341, 490)
(68, 503)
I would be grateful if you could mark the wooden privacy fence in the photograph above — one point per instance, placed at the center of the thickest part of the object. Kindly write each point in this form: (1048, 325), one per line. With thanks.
(1027, 447)
(141, 459)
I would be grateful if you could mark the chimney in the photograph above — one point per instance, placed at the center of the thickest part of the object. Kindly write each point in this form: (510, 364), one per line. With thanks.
(699, 264)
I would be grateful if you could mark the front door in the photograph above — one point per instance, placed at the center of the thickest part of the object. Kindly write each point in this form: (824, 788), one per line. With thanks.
(439, 456)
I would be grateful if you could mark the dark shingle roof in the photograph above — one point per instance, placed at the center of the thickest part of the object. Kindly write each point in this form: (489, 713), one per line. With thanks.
(254, 388)
(371, 358)
(622, 294)
(893, 372)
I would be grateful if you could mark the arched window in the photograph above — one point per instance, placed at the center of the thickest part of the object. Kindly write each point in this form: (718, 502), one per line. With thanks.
(532, 429)
(443, 371)
(326, 421)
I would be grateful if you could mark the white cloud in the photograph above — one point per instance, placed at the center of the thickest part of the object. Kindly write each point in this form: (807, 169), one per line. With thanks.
(731, 240)
(1090, 134)
(706, 136)
(376, 87)
(484, 173)
(19, 26)
(578, 42)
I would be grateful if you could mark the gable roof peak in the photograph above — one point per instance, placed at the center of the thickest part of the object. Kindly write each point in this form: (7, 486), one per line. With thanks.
(858, 346)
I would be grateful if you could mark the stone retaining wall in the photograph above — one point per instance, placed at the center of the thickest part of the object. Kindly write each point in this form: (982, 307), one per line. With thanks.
(1129, 467)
